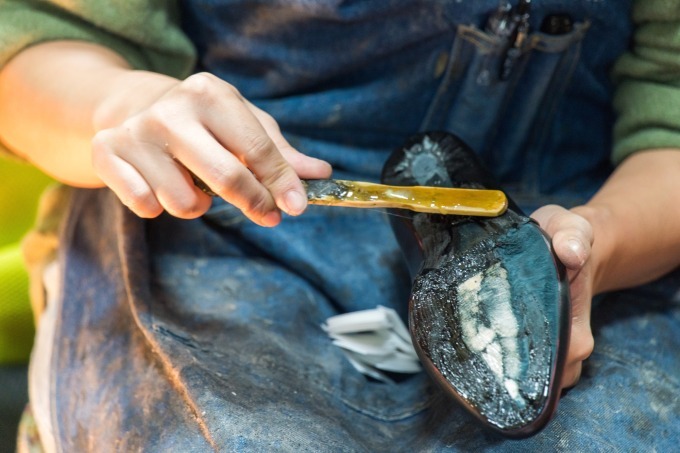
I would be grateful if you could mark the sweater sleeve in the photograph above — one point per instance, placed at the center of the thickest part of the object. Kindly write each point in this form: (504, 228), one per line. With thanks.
(145, 32)
(647, 98)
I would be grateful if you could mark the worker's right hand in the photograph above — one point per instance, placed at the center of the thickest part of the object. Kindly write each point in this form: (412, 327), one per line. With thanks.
(153, 134)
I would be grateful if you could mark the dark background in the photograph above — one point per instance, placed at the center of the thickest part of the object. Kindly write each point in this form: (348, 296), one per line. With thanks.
(13, 398)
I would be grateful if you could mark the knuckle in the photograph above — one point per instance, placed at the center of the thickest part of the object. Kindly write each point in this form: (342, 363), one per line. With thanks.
(234, 91)
(101, 138)
(235, 184)
(267, 120)
(276, 177)
(257, 204)
(157, 114)
(207, 87)
(231, 89)
(225, 179)
(585, 226)
(100, 148)
(577, 221)
(155, 122)
(258, 148)
(200, 84)
(222, 174)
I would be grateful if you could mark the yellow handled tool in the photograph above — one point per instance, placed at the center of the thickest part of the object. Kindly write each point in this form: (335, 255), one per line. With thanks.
(437, 200)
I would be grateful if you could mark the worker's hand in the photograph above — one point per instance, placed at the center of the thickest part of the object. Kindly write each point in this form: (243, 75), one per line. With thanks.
(572, 238)
(203, 125)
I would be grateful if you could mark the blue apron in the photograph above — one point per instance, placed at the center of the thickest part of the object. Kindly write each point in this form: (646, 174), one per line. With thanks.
(195, 335)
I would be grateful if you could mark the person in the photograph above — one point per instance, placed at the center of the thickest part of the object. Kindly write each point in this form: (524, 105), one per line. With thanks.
(180, 323)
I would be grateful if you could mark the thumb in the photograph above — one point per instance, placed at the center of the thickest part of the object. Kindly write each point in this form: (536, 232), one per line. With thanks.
(572, 235)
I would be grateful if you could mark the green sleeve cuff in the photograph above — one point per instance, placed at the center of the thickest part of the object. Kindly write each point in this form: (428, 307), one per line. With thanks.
(144, 32)
(649, 117)
(647, 98)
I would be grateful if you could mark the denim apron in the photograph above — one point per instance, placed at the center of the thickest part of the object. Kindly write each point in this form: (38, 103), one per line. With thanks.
(204, 335)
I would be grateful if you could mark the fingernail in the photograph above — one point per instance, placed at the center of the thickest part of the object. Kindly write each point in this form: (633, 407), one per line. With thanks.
(577, 247)
(295, 202)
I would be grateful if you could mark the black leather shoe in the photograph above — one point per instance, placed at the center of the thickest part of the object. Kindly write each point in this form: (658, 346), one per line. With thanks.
(489, 312)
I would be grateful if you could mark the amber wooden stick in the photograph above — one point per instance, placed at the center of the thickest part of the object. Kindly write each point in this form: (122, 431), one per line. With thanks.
(438, 200)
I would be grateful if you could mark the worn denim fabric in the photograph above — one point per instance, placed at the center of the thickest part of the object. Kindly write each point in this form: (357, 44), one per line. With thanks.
(181, 335)
(177, 334)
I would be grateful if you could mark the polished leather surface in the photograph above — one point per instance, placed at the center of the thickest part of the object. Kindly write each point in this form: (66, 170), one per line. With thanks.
(489, 311)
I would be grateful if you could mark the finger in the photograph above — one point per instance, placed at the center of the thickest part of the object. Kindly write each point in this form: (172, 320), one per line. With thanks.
(244, 136)
(572, 235)
(581, 346)
(581, 342)
(123, 178)
(225, 174)
(572, 247)
(127, 160)
(258, 152)
(553, 218)
(172, 185)
(305, 166)
(130, 187)
(577, 352)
